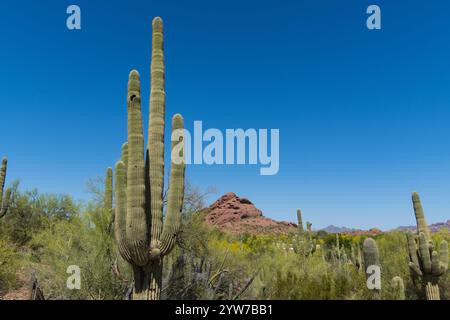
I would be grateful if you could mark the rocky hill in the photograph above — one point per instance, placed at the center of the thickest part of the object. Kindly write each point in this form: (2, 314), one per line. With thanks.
(236, 215)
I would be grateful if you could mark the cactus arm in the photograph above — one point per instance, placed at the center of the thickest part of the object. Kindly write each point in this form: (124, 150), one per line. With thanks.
(108, 190)
(3, 178)
(424, 253)
(414, 265)
(125, 154)
(176, 191)
(4, 201)
(443, 256)
(412, 249)
(415, 269)
(120, 212)
(420, 217)
(136, 221)
(435, 265)
(108, 200)
(155, 145)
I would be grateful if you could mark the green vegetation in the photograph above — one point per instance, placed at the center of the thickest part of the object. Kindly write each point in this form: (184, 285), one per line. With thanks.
(45, 233)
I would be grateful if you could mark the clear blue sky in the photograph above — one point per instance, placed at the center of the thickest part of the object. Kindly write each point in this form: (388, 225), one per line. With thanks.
(363, 115)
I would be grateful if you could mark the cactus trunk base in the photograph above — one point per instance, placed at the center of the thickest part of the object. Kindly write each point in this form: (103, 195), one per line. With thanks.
(148, 281)
(432, 291)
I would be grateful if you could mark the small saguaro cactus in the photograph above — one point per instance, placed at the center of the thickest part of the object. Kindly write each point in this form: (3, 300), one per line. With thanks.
(4, 199)
(142, 235)
(300, 221)
(372, 265)
(426, 263)
(304, 243)
(398, 288)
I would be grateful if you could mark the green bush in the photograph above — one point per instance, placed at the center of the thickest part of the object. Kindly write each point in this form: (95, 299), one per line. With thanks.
(10, 260)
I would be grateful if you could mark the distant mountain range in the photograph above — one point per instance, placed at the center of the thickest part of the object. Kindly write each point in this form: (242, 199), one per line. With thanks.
(334, 229)
(433, 228)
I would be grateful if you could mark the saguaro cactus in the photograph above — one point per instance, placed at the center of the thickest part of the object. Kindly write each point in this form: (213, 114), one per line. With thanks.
(398, 288)
(4, 200)
(304, 243)
(426, 263)
(300, 221)
(371, 260)
(142, 237)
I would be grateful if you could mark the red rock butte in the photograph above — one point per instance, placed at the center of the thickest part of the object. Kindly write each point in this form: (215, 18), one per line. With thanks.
(236, 215)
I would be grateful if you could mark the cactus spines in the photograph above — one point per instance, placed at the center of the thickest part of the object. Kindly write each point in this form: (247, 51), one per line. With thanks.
(425, 262)
(4, 199)
(398, 288)
(143, 239)
(300, 221)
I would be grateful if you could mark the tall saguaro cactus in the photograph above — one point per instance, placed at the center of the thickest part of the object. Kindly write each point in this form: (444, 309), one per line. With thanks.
(143, 238)
(426, 263)
(4, 200)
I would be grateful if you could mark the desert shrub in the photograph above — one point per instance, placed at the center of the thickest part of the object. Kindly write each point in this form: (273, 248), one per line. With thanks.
(29, 211)
(10, 261)
(76, 242)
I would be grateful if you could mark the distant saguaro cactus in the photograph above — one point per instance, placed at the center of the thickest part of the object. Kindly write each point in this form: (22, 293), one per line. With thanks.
(142, 237)
(371, 262)
(300, 221)
(426, 263)
(304, 243)
(4, 199)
